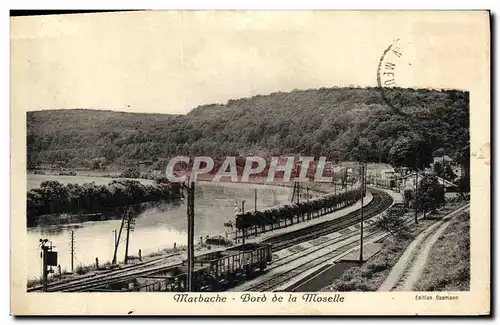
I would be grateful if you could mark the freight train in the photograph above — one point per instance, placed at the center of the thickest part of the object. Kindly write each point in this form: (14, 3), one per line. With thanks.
(213, 271)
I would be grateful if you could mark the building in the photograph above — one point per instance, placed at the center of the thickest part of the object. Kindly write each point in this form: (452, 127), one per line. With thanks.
(387, 173)
(408, 182)
(444, 158)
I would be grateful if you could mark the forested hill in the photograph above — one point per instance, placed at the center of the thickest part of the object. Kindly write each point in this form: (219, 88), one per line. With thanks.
(341, 123)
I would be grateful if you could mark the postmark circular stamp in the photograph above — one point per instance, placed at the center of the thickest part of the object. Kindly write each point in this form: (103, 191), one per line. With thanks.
(387, 76)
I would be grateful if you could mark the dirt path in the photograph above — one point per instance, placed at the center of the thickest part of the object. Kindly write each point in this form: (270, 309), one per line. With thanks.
(410, 265)
(420, 261)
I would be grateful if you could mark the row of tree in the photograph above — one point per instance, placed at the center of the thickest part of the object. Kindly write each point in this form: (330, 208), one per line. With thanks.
(273, 217)
(53, 197)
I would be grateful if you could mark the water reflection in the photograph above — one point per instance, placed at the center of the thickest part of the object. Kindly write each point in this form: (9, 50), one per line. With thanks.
(157, 225)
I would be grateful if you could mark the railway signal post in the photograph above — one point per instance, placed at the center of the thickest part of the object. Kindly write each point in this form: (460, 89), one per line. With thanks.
(49, 258)
(45, 271)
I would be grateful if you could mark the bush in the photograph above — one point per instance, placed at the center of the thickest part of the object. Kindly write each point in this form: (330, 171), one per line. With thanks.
(130, 173)
(351, 280)
(393, 223)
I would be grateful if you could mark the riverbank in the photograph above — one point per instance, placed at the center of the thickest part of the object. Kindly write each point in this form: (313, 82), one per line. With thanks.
(164, 256)
(54, 197)
(157, 228)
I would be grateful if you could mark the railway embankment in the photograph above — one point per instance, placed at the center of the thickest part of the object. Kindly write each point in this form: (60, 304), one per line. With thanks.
(308, 223)
(300, 253)
(171, 257)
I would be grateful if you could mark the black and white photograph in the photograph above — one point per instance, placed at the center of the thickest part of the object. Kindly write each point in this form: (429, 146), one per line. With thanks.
(251, 158)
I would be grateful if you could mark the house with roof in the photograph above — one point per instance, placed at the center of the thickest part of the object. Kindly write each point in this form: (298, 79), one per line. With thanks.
(440, 159)
(408, 181)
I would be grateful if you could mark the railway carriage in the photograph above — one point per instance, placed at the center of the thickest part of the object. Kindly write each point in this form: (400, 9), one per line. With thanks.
(213, 271)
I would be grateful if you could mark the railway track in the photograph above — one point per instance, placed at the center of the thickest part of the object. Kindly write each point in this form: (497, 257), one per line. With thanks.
(347, 244)
(381, 201)
(87, 282)
(282, 277)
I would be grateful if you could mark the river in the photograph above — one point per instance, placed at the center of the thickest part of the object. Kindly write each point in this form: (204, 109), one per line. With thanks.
(155, 228)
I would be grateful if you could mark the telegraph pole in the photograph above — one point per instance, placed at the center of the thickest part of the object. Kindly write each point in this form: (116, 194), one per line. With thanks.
(130, 225)
(117, 240)
(334, 182)
(190, 220)
(444, 189)
(73, 249)
(243, 212)
(255, 200)
(362, 171)
(307, 198)
(416, 196)
(45, 271)
(127, 240)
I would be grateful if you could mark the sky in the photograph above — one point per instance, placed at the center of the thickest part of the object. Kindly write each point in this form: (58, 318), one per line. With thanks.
(171, 62)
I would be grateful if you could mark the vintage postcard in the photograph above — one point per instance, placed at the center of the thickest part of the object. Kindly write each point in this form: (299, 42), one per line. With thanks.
(251, 163)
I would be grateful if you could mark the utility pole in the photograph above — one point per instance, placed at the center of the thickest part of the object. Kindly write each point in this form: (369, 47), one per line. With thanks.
(298, 192)
(444, 189)
(334, 182)
(130, 225)
(72, 249)
(362, 172)
(117, 240)
(307, 198)
(190, 220)
(45, 271)
(255, 201)
(416, 196)
(127, 240)
(344, 183)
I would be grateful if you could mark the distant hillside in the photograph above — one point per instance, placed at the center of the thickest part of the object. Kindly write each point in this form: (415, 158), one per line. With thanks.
(341, 123)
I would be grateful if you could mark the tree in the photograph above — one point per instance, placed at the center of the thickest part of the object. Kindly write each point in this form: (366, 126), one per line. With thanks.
(393, 223)
(462, 157)
(463, 185)
(430, 194)
(444, 171)
(413, 151)
(408, 196)
(380, 146)
(331, 122)
(130, 173)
